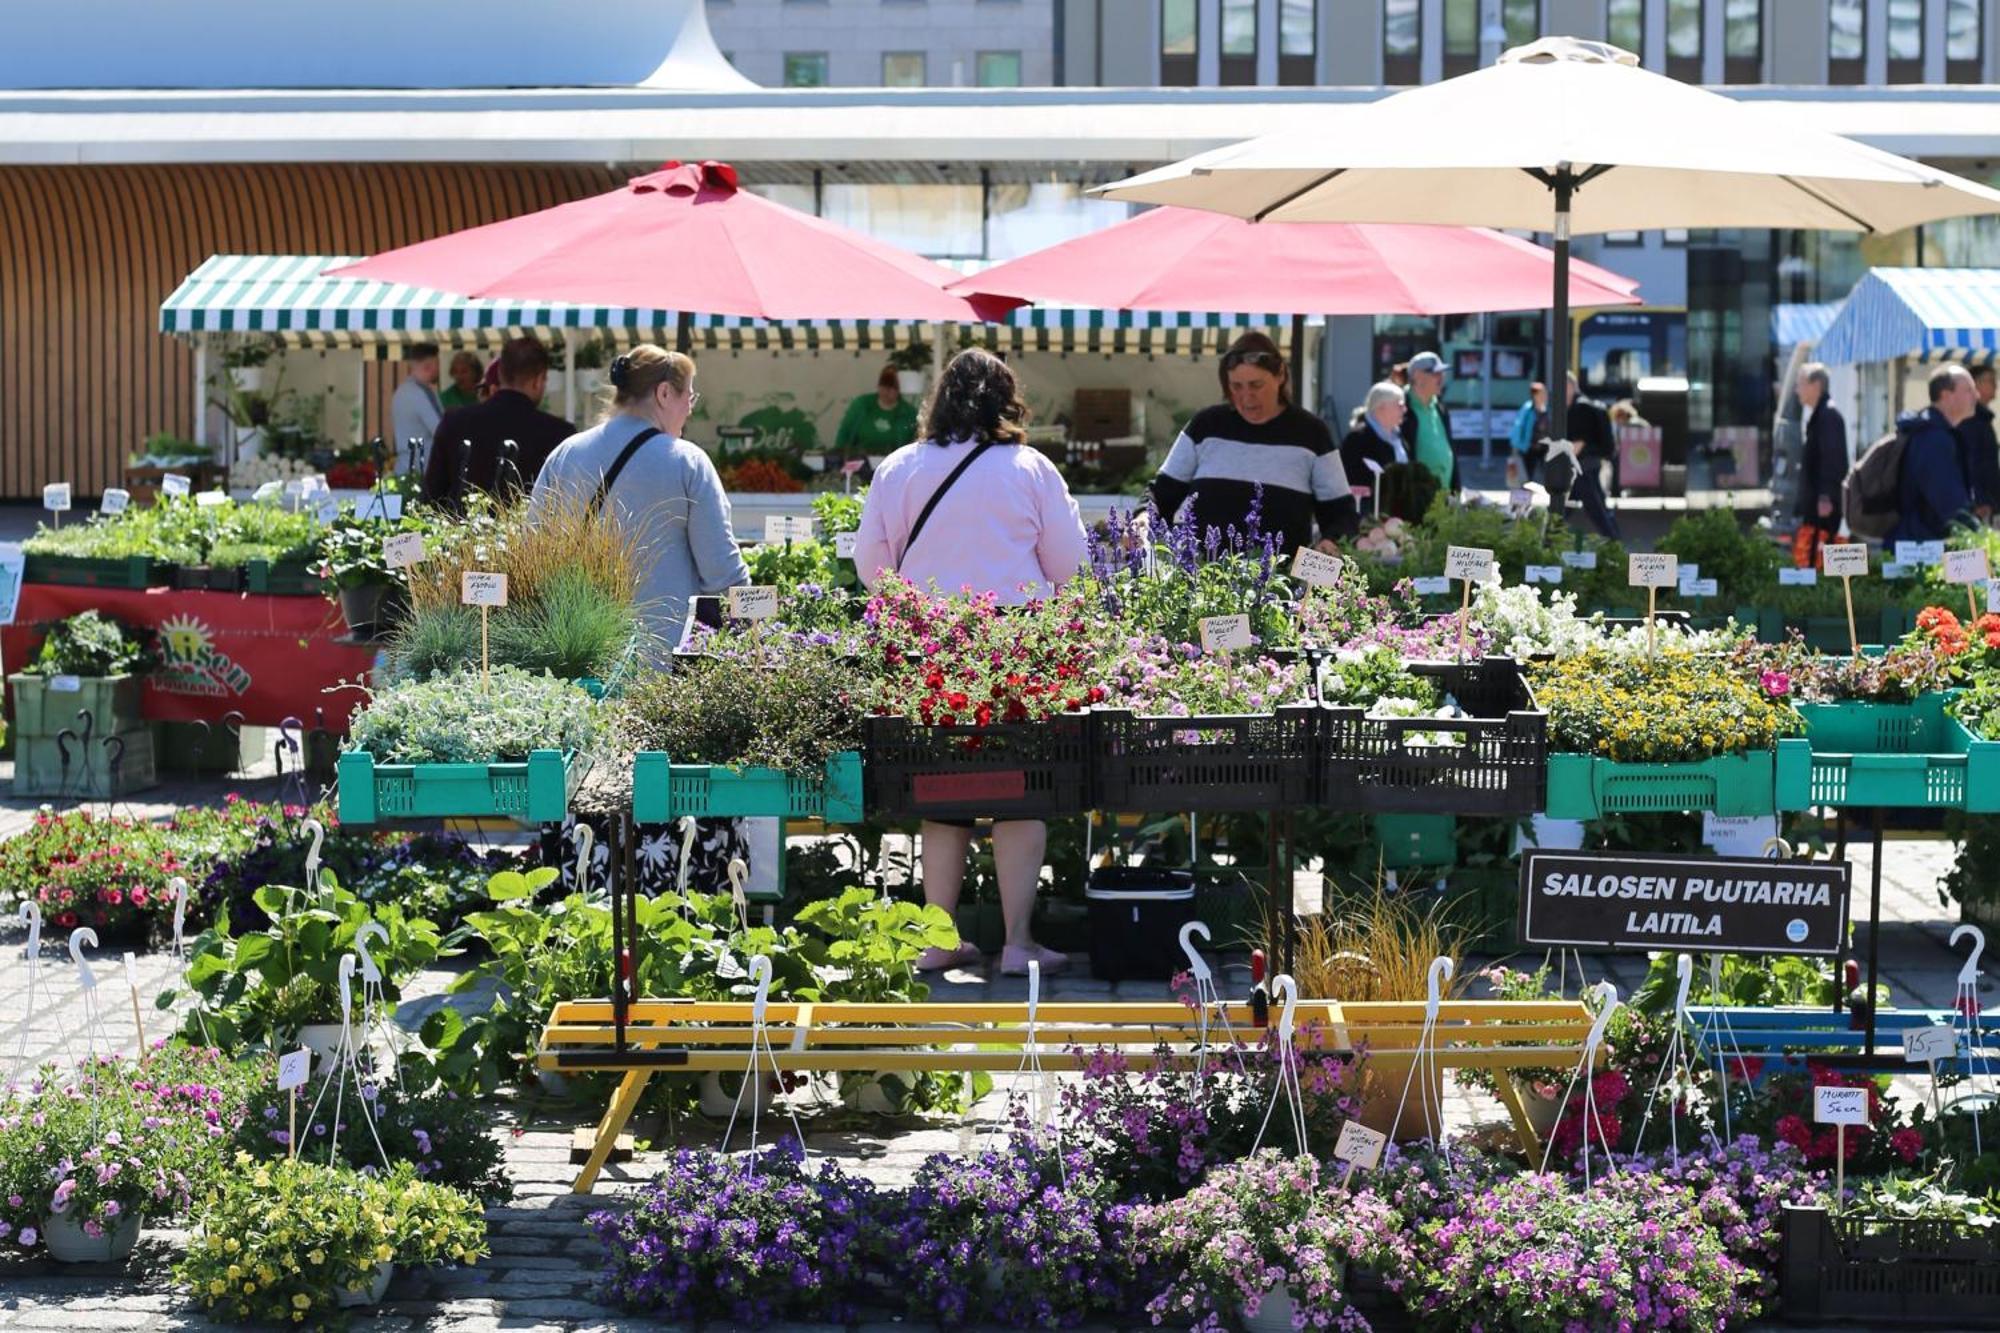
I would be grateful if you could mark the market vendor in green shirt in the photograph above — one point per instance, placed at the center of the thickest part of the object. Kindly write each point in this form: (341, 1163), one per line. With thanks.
(1427, 423)
(877, 423)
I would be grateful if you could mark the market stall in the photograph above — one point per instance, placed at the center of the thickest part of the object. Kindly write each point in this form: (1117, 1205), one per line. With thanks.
(1897, 323)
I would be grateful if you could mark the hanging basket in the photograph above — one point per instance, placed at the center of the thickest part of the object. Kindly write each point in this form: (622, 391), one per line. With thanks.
(68, 1243)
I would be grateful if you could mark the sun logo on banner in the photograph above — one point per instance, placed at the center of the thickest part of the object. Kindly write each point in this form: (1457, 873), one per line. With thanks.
(190, 663)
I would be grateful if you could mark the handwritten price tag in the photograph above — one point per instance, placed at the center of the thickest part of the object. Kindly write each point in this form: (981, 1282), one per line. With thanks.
(1840, 1106)
(1652, 570)
(1844, 559)
(1468, 564)
(1896, 569)
(377, 504)
(55, 497)
(1543, 574)
(116, 501)
(293, 1067)
(1966, 567)
(1360, 1145)
(753, 603)
(174, 484)
(1927, 1045)
(482, 589)
(845, 544)
(1802, 578)
(1222, 634)
(1316, 569)
(1698, 587)
(1431, 585)
(403, 550)
(1580, 559)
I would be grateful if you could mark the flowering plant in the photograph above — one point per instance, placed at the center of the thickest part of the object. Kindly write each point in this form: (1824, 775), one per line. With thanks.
(1779, 1109)
(1791, 670)
(1010, 1236)
(1267, 1224)
(746, 1239)
(1376, 679)
(100, 871)
(1671, 708)
(1539, 1255)
(1156, 678)
(445, 1138)
(1741, 1190)
(281, 1241)
(1519, 624)
(1165, 578)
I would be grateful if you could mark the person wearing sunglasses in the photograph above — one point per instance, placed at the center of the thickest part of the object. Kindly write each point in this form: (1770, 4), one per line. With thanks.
(1258, 449)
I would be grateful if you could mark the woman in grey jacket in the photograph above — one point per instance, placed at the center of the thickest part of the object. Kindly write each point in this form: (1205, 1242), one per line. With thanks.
(665, 491)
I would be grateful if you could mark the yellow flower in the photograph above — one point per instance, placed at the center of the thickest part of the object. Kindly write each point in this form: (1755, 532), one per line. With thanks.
(217, 1286)
(316, 1257)
(232, 1245)
(383, 1254)
(249, 1288)
(302, 1302)
(298, 1317)
(235, 1272)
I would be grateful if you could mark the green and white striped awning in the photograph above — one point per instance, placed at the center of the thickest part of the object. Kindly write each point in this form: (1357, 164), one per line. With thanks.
(288, 298)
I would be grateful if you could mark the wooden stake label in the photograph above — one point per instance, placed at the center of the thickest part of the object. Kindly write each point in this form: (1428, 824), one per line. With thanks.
(175, 485)
(403, 550)
(1844, 559)
(1652, 570)
(1469, 564)
(1360, 1146)
(1316, 569)
(1222, 634)
(845, 544)
(482, 589)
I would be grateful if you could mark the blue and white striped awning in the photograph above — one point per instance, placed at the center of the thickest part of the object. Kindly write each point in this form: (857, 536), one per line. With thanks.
(286, 297)
(1926, 314)
(1793, 323)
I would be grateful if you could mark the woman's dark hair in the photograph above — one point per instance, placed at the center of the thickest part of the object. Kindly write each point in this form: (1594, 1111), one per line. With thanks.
(1256, 349)
(977, 398)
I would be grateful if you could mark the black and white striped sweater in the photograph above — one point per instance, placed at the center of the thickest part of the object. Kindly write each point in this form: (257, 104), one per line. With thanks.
(1218, 462)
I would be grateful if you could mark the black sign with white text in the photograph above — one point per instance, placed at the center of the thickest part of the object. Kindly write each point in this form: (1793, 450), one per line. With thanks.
(1703, 904)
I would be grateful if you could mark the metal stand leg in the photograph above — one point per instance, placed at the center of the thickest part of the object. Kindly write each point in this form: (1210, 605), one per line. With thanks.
(1874, 926)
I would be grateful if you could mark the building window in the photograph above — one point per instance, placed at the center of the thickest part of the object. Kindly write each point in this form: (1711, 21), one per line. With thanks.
(1625, 26)
(1179, 46)
(1964, 56)
(1624, 238)
(999, 69)
(1743, 41)
(1402, 42)
(1522, 21)
(1684, 40)
(902, 69)
(1461, 37)
(1846, 42)
(1239, 43)
(938, 220)
(1298, 42)
(1906, 41)
(805, 69)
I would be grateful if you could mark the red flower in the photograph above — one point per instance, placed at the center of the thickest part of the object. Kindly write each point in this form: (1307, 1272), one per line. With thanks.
(1794, 1131)
(1907, 1143)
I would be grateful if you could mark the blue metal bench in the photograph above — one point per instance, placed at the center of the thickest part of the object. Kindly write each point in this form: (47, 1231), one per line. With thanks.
(1787, 1038)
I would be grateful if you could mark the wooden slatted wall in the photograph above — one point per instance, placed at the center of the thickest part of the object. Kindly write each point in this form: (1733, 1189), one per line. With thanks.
(88, 253)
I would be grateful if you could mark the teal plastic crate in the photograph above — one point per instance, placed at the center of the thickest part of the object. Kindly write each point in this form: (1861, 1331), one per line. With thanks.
(1583, 786)
(664, 791)
(1416, 840)
(1897, 755)
(534, 792)
(75, 571)
(86, 773)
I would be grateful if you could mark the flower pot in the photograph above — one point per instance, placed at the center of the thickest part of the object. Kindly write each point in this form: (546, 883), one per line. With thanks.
(722, 1094)
(865, 1093)
(247, 379)
(1542, 1110)
(1274, 1311)
(68, 1243)
(371, 1294)
(361, 608)
(910, 383)
(1382, 1089)
(323, 1039)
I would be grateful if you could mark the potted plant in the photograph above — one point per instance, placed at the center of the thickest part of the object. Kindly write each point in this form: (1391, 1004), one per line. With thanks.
(294, 1242)
(357, 575)
(591, 357)
(911, 360)
(245, 363)
(89, 663)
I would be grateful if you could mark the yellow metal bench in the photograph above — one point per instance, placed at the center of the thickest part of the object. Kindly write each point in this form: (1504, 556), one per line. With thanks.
(585, 1036)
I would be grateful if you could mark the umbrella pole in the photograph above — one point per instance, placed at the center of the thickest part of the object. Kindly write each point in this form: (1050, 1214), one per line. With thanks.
(1299, 361)
(1565, 184)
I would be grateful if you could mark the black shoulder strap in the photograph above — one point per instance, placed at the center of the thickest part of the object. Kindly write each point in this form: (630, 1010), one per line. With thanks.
(916, 529)
(618, 466)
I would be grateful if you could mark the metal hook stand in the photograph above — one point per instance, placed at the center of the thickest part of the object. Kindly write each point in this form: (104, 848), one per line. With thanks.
(1586, 1067)
(1676, 1060)
(289, 731)
(1286, 1086)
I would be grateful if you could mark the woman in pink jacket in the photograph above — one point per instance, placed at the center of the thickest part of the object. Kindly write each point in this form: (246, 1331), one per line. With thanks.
(971, 508)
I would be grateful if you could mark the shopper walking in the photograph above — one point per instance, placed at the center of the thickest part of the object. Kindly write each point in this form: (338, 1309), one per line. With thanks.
(1589, 429)
(1934, 490)
(1822, 454)
(970, 507)
(498, 446)
(1257, 446)
(662, 488)
(463, 391)
(1531, 429)
(1982, 449)
(1377, 438)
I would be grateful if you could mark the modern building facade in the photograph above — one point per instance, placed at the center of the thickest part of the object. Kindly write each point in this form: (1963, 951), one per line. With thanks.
(889, 43)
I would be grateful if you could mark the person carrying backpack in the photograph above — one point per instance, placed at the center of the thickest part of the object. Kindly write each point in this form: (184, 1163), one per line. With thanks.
(1933, 491)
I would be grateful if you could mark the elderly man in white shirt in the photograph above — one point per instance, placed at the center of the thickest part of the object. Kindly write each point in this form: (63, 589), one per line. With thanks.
(415, 411)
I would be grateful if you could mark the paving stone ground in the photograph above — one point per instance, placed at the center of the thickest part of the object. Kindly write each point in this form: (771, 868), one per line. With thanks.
(540, 1273)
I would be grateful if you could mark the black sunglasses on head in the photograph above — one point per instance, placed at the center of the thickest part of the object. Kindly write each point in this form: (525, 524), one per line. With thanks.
(1270, 361)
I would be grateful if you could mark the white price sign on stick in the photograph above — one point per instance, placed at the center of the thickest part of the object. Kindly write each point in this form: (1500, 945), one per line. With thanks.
(845, 544)
(1543, 574)
(1928, 1045)
(1580, 559)
(1360, 1146)
(293, 1069)
(1430, 585)
(1221, 634)
(1316, 569)
(1468, 564)
(403, 550)
(1844, 559)
(116, 500)
(1840, 1106)
(1966, 567)
(1698, 588)
(753, 603)
(55, 497)
(175, 485)
(1652, 570)
(482, 589)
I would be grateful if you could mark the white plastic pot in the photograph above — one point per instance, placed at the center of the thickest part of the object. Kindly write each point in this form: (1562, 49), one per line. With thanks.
(247, 379)
(910, 383)
(1274, 1312)
(63, 1233)
(371, 1294)
(719, 1100)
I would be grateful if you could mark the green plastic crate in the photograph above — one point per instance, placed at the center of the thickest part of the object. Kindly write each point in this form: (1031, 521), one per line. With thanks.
(74, 571)
(664, 791)
(39, 769)
(1899, 755)
(1583, 786)
(111, 701)
(534, 792)
(1416, 840)
(287, 578)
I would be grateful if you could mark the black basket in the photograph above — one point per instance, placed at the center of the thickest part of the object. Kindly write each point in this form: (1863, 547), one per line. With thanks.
(1887, 1273)
(1011, 770)
(1499, 764)
(1251, 761)
(1136, 915)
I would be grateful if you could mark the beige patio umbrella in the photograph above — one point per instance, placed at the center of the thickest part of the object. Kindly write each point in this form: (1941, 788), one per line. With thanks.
(1569, 137)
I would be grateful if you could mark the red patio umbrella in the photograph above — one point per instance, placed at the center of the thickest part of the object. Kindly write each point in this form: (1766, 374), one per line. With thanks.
(1192, 259)
(686, 239)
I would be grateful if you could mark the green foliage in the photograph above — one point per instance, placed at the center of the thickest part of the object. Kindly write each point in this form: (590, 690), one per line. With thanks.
(177, 529)
(93, 644)
(573, 629)
(837, 512)
(791, 712)
(1741, 564)
(1759, 982)
(349, 549)
(458, 719)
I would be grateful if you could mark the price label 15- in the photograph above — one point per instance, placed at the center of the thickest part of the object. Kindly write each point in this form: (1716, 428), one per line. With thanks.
(1652, 570)
(1468, 564)
(55, 497)
(1844, 559)
(1840, 1106)
(1966, 566)
(1801, 578)
(1316, 569)
(174, 484)
(1360, 1145)
(403, 550)
(478, 588)
(116, 501)
(1927, 1045)
(753, 603)
(1222, 634)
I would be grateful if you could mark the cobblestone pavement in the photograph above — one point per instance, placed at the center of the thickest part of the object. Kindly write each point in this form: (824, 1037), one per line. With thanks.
(539, 1276)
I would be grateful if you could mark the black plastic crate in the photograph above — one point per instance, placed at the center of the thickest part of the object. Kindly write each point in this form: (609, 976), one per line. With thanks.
(1252, 761)
(1136, 915)
(1011, 770)
(1498, 763)
(1887, 1273)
